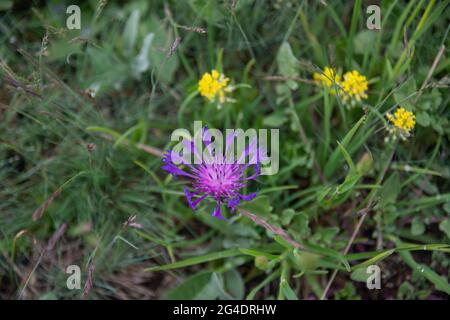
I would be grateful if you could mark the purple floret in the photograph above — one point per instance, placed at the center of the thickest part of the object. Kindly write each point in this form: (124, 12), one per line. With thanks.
(219, 180)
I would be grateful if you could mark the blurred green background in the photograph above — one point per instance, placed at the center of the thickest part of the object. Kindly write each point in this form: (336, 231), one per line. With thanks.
(76, 106)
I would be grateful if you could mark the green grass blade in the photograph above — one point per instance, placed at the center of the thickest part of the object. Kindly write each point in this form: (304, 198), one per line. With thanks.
(197, 260)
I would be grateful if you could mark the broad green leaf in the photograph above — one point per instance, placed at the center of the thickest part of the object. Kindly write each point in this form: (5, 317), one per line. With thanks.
(131, 31)
(423, 119)
(417, 226)
(217, 287)
(141, 62)
(286, 216)
(300, 224)
(391, 188)
(193, 288)
(306, 261)
(234, 284)
(288, 65)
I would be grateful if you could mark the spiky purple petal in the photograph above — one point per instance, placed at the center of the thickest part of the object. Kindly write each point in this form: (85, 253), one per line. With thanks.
(220, 180)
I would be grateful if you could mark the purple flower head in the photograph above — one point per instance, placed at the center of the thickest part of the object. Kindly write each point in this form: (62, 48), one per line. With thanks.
(213, 174)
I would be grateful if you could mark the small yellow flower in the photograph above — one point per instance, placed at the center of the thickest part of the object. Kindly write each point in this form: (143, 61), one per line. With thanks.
(354, 86)
(329, 78)
(214, 85)
(403, 119)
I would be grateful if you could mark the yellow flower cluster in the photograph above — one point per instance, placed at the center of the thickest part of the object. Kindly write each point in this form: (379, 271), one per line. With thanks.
(353, 85)
(328, 78)
(403, 119)
(214, 85)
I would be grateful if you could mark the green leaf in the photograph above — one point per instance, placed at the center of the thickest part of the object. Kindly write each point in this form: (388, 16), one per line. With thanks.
(360, 275)
(423, 119)
(287, 291)
(131, 31)
(300, 224)
(194, 287)
(286, 216)
(197, 260)
(257, 253)
(404, 95)
(217, 285)
(235, 230)
(418, 170)
(141, 62)
(375, 259)
(405, 291)
(353, 26)
(328, 253)
(261, 205)
(350, 181)
(447, 207)
(234, 284)
(164, 65)
(306, 261)
(390, 190)
(126, 134)
(275, 120)
(347, 157)
(5, 5)
(335, 160)
(327, 234)
(288, 65)
(444, 226)
(441, 283)
(322, 193)
(365, 164)
(114, 134)
(363, 40)
(417, 227)
(266, 281)
(426, 247)
(283, 242)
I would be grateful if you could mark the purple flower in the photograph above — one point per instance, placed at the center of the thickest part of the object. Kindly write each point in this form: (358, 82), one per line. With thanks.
(213, 175)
